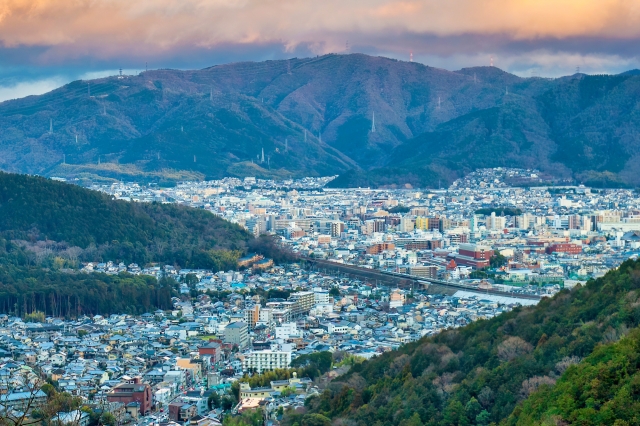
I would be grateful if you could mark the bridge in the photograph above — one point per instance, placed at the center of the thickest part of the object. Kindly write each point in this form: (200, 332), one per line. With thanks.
(404, 281)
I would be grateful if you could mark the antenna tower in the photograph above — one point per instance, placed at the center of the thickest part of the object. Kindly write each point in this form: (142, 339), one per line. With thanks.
(373, 122)
(492, 61)
(577, 70)
(411, 57)
(120, 72)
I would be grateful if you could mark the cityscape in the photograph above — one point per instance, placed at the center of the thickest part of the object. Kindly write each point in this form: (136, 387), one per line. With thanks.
(319, 213)
(421, 262)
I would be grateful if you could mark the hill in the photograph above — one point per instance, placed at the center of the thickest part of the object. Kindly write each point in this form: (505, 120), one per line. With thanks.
(314, 116)
(66, 216)
(504, 369)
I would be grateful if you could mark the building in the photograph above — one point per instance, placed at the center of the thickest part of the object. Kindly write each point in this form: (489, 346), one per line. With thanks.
(407, 224)
(212, 349)
(265, 360)
(568, 248)
(422, 223)
(237, 333)
(396, 299)
(303, 301)
(380, 247)
(496, 223)
(249, 260)
(181, 412)
(320, 296)
(133, 390)
(337, 228)
(426, 271)
(286, 330)
(473, 255)
(252, 315)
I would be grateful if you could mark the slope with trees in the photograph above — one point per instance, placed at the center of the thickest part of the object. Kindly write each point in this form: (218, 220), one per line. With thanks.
(481, 373)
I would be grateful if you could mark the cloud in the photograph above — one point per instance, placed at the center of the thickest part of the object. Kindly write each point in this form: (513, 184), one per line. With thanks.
(26, 88)
(68, 38)
(112, 28)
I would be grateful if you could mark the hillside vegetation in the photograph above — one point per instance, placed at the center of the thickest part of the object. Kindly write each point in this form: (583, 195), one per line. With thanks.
(26, 288)
(314, 116)
(47, 228)
(488, 371)
(37, 209)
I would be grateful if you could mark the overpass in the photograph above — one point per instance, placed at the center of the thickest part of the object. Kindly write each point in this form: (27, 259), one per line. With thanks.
(405, 281)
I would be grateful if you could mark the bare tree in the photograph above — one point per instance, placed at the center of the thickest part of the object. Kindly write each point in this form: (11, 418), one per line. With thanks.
(531, 385)
(23, 394)
(566, 362)
(513, 347)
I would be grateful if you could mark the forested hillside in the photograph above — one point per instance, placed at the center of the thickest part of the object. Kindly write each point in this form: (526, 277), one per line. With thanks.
(36, 209)
(314, 116)
(488, 371)
(26, 287)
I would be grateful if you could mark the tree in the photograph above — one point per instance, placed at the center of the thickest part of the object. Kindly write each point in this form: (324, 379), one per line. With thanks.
(513, 347)
(247, 418)
(315, 420)
(214, 400)
(497, 260)
(29, 383)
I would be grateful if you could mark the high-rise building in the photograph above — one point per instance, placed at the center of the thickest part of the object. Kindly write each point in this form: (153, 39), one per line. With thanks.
(303, 301)
(496, 223)
(237, 333)
(407, 224)
(422, 223)
(252, 315)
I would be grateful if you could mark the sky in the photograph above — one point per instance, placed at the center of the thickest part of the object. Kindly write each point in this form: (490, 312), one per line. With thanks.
(47, 43)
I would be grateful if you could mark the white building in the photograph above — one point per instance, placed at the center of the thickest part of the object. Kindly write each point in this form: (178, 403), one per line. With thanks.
(265, 360)
(287, 330)
(320, 295)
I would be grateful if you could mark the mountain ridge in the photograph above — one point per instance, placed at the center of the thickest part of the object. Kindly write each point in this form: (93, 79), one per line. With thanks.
(314, 116)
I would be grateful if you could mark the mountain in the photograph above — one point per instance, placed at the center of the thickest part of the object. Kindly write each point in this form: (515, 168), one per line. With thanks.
(39, 211)
(315, 116)
(544, 364)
